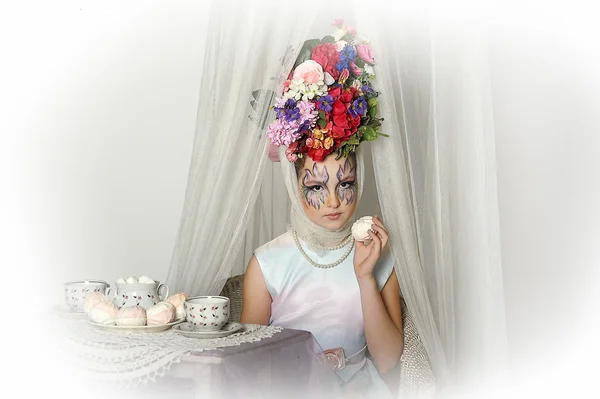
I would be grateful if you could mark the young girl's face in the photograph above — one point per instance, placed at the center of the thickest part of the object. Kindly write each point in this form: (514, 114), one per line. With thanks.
(328, 191)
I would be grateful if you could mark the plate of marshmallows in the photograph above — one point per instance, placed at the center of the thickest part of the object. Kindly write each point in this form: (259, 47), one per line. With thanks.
(108, 312)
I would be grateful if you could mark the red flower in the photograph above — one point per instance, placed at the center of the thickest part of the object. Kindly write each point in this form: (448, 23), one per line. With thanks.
(318, 155)
(346, 96)
(327, 56)
(335, 92)
(338, 108)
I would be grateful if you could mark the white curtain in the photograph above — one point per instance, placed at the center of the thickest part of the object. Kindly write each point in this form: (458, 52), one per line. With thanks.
(435, 174)
(243, 55)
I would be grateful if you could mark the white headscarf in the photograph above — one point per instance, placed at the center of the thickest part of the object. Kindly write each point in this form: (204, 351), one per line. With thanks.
(313, 234)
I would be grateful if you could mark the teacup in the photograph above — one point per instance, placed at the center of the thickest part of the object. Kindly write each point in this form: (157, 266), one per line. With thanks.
(207, 313)
(139, 294)
(76, 291)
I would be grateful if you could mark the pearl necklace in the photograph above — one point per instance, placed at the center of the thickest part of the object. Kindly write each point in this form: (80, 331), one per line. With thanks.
(330, 265)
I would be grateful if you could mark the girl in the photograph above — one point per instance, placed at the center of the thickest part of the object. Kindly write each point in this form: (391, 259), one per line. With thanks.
(316, 277)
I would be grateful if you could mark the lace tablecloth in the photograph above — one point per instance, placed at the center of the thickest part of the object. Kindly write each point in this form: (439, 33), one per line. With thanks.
(260, 361)
(134, 358)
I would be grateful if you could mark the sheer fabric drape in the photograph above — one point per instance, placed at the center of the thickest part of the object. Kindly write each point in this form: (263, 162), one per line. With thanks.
(435, 174)
(249, 47)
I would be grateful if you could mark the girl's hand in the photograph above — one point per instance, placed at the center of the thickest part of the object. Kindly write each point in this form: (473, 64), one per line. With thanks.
(366, 256)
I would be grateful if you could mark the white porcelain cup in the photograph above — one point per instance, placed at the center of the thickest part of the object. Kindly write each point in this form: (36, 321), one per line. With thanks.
(207, 313)
(139, 294)
(76, 291)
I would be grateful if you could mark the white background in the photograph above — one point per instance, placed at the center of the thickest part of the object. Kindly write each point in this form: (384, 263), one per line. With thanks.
(98, 122)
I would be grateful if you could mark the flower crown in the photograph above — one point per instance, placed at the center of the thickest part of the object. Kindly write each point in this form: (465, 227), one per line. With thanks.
(328, 103)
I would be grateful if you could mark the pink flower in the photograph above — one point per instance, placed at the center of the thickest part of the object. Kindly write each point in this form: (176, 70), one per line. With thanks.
(365, 53)
(290, 152)
(335, 358)
(350, 29)
(309, 142)
(343, 76)
(355, 70)
(338, 22)
(309, 71)
(286, 86)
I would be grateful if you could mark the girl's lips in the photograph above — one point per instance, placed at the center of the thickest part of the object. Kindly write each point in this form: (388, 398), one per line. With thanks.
(333, 216)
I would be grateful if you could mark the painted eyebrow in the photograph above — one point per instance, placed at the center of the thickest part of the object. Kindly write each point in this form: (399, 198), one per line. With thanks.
(342, 175)
(312, 182)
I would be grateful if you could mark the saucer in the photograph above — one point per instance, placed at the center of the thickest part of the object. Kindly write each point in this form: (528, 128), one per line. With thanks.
(66, 312)
(188, 330)
(137, 329)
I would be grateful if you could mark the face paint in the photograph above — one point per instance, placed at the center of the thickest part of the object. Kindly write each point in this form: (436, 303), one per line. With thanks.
(346, 189)
(314, 186)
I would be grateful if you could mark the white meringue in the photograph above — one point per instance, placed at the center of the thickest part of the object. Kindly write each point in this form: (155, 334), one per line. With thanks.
(145, 280)
(177, 300)
(361, 227)
(121, 280)
(103, 313)
(132, 280)
(131, 316)
(92, 299)
(161, 313)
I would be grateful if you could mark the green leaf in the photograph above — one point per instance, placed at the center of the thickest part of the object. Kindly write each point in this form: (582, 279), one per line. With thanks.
(370, 133)
(352, 140)
(322, 115)
(359, 62)
(322, 123)
(328, 39)
(373, 111)
(372, 102)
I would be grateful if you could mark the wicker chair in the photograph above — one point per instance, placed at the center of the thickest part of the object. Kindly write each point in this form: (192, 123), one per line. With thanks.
(413, 374)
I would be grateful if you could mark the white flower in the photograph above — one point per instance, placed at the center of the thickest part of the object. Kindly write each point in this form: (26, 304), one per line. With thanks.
(369, 70)
(360, 39)
(329, 80)
(339, 34)
(340, 44)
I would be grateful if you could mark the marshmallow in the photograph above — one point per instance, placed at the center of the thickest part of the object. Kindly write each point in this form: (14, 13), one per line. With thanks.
(177, 301)
(131, 316)
(361, 227)
(132, 280)
(93, 299)
(161, 313)
(103, 313)
(145, 280)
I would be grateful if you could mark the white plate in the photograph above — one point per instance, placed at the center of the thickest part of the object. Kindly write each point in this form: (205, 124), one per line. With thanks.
(66, 312)
(141, 329)
(188, 330)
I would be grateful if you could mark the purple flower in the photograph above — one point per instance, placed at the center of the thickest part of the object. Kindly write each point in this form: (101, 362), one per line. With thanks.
(368, 91)
(358, 107)
(324, 103)
(286, 110)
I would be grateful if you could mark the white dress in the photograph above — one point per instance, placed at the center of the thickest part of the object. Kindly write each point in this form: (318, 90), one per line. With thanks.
(325, 302)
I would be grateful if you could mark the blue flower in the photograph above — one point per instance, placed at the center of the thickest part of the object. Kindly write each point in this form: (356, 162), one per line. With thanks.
(347, 54)
(324, 103)
(358, 107)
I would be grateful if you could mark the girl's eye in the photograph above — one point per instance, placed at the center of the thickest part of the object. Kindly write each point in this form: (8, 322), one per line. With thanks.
(347, 184)
(315, 188)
